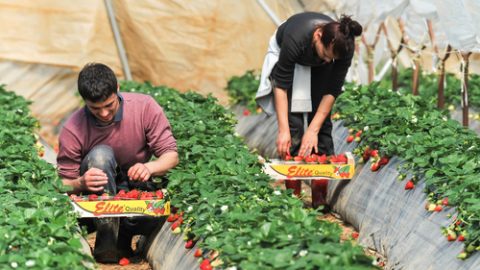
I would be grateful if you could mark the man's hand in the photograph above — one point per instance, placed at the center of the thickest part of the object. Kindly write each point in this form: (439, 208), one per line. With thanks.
(284, 141)
(309, 141)
(94, 180)
(139, 172)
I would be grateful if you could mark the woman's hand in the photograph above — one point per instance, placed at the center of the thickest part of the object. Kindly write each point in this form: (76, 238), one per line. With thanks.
(309, 141)
(284, 141)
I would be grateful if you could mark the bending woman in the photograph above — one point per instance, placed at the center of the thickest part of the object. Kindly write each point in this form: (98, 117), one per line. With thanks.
(303, 72)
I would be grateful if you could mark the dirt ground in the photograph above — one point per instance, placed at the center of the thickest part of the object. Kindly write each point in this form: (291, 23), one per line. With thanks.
(136, 263)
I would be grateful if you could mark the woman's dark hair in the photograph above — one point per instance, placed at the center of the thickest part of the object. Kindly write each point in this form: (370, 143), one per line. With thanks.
(341, 35)
(96, 82)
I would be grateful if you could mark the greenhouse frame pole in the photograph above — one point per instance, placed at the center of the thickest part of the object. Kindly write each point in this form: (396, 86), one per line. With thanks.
(118, 40)
(270, 12)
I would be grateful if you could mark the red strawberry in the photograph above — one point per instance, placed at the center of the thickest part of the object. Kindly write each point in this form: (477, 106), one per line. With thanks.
(190, 243)
(451, 236)
(145, 195)
(198, 253)
(366, 154)
(461, 238)
(205, 265)
(310, 159)
(438, 208)
(359, 133)
(445, 201)
(355, 235)
(117, 198)
(134, 194)
(122, 193)
(350, 139)
(288, 157)
(105, 196)
(175, 225)
(322, 159)
(383, 161)
(374, 153)
(159, 211)
(92, 197)
(124, 261)
(341, 158)
(409, 185)
(298, 158)
(375, 166)
(159, 194)
(246, 112)
(172, 217)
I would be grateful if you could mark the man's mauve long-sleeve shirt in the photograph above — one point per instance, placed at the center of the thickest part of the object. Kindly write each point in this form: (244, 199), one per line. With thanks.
(139, 131)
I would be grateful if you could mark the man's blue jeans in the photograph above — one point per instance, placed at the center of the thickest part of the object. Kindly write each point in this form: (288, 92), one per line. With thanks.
(114, 235)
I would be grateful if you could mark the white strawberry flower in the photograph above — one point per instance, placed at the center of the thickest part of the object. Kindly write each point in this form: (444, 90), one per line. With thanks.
(14, 264)
(289, 237)
(365, 128)
(224, 208)
(277, 192)
(30, 263)
(190, 208)
(302, 253)
(414, 119)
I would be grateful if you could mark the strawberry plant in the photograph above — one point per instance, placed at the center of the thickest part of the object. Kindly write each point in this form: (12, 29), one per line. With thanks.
(428, 87)
(228, 202)
(242, 89)
(435, 148)
(38, 227)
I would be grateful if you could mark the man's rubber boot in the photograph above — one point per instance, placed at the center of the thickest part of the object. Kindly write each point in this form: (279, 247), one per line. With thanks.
(319, 194)
(296, 185)
(105, 250)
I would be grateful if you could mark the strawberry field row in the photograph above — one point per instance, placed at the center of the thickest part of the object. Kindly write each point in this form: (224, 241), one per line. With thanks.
(435, 149)
(227, 202)
(37, 229)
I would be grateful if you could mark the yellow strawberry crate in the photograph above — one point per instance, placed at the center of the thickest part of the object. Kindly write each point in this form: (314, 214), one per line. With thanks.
(340, 167)
(121, 205)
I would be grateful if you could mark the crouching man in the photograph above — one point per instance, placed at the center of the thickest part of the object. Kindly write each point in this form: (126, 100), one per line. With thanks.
(106, 146)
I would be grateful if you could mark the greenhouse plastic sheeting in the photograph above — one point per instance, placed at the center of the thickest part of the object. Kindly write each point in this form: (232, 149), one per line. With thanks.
(167, 251)
(389, 219)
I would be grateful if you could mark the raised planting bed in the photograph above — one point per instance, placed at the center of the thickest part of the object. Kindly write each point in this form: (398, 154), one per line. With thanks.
(226, 205)
(38, 227)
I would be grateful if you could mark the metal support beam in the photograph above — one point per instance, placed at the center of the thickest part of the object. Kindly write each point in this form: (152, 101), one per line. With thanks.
(118, 40)
(270, 13)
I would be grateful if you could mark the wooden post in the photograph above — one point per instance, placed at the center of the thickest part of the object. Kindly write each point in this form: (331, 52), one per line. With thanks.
(416, 74)
(466, 63)
(441, 80)
(370, 54)
(394, 55)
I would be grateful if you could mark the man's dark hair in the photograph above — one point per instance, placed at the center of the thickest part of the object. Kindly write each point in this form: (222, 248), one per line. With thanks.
(96, 82)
